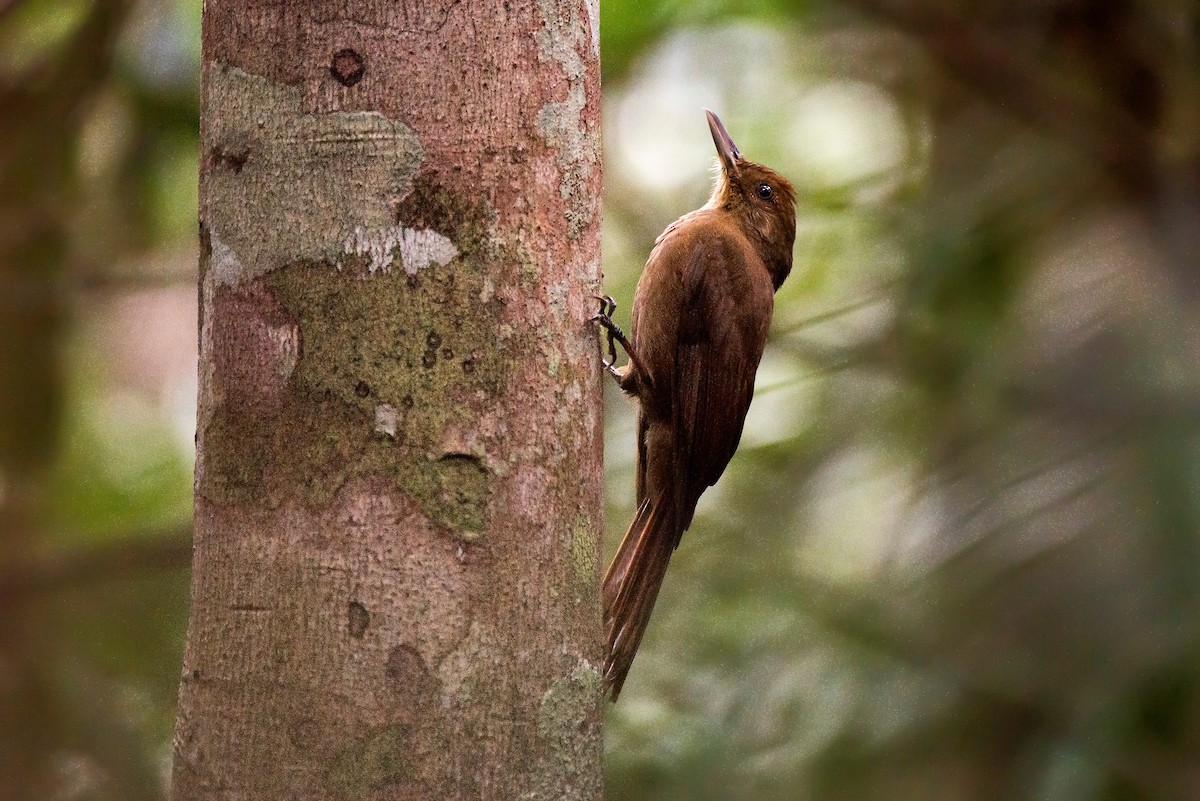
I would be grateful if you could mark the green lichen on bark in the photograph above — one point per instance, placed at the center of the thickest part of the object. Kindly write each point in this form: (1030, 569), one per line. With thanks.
(568, 726)
(562, 125)
(452, 490)
(388, 363)
(379, 759)
(583, 551)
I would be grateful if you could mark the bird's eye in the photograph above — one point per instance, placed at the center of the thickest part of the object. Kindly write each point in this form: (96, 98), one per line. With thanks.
(765, 191)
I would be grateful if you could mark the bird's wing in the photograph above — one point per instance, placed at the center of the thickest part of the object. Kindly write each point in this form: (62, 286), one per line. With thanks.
(715, 362)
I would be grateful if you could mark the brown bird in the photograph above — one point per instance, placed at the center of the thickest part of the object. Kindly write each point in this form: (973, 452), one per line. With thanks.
(700, 317)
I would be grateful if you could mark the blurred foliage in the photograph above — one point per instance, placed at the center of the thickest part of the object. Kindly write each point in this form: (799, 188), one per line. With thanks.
(97, 209)
(955, 557)
(956, 554)
(628, 28)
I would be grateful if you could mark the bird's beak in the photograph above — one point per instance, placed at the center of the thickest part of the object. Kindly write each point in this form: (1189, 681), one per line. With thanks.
(726, 149)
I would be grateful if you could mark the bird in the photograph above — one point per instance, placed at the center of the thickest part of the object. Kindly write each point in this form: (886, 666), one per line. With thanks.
(700, 317)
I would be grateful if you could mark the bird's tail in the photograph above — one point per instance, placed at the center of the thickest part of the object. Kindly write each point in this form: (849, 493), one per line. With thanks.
(631, 587)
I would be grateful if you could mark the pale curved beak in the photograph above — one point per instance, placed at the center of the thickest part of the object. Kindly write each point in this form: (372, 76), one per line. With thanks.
(726, 149)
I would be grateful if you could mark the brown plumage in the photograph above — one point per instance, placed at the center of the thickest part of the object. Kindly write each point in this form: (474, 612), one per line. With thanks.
(700, 317)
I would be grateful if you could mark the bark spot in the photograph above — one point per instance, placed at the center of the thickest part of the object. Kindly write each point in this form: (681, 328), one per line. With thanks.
(410, 681)
(303, 733)
(348, 67)
(357, 619)
(230, 155)
(387, 420)
(407, 672)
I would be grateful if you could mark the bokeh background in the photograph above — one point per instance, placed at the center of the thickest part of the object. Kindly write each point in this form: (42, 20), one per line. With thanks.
(958, 553)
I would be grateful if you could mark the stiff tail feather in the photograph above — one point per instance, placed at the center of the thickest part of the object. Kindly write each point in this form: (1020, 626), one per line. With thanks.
(631, 587)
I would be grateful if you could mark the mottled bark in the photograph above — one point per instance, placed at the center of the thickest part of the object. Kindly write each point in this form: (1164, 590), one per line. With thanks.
(398, 476)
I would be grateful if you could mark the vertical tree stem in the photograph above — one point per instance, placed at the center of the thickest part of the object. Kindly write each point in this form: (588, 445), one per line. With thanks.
(398, 481)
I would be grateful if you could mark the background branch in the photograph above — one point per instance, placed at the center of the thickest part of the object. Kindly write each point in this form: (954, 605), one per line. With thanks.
(168, 549)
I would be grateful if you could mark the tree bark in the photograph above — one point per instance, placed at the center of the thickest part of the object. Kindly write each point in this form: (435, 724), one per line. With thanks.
(398, 478)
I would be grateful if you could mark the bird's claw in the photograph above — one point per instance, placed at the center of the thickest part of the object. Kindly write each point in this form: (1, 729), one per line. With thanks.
(607, 307)
(634, 374)
(604, 319)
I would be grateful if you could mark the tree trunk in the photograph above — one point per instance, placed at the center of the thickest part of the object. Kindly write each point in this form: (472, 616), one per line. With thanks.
(398, 476)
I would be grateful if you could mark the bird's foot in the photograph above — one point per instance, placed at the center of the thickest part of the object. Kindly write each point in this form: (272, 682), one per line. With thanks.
(607, 307)
(603, 318)
(634, 374)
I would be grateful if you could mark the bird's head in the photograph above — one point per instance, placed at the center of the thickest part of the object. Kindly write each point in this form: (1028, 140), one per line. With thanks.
(762, 200)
